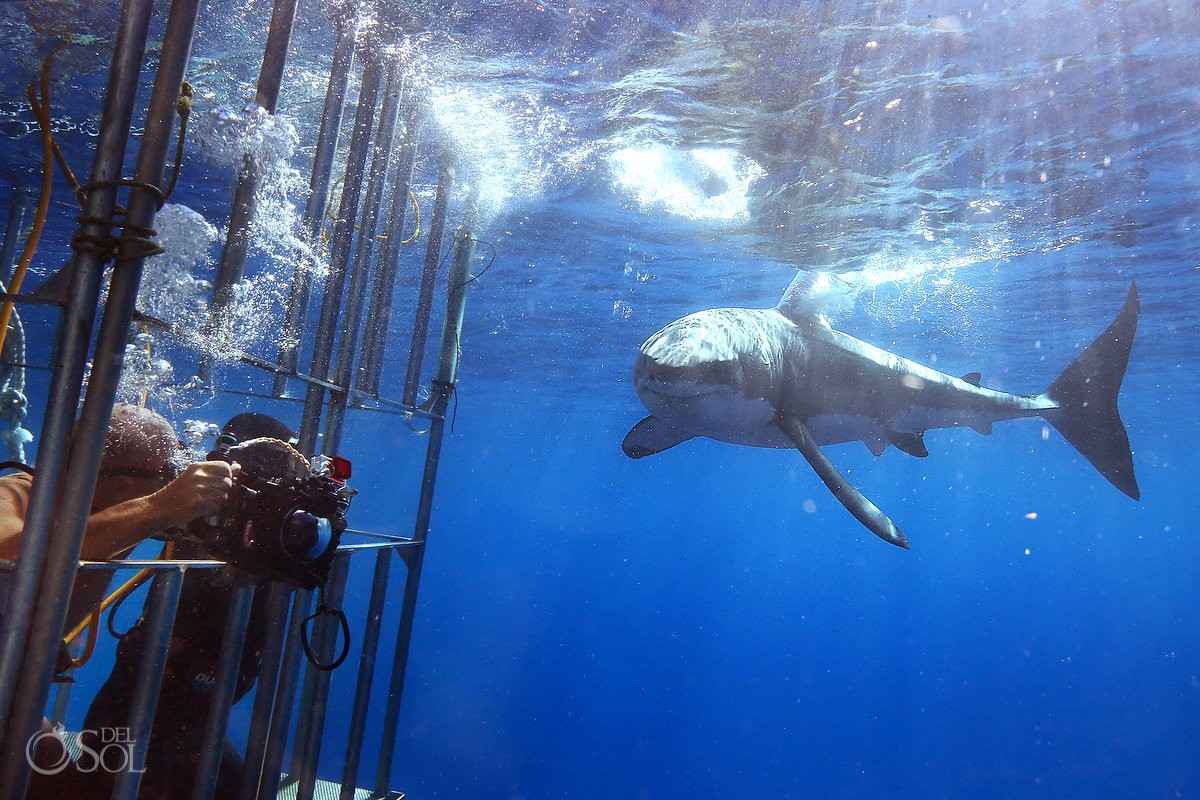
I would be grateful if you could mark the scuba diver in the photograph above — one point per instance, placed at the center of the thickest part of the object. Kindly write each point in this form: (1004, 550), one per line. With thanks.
(188, 680)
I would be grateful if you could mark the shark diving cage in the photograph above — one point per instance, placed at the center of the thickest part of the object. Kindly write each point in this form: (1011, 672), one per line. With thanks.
(293, 694)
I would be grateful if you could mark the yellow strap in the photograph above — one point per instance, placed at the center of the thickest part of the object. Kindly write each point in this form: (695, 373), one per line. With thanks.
(118, 594)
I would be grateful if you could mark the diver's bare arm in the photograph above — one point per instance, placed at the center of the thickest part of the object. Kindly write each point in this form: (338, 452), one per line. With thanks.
(13, 500)
(200, 490)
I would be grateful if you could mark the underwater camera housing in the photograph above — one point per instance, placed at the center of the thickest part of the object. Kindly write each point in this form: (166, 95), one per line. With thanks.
(283, 520)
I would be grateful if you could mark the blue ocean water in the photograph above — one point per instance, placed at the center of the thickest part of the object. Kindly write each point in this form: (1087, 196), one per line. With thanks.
(709, 622)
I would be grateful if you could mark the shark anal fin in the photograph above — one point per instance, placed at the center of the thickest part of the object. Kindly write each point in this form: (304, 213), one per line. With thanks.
(855, 502)
(911, 443)
(973, 378)
(651, 436)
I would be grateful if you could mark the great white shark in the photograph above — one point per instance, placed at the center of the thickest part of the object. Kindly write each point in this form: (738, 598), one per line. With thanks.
(783, 377)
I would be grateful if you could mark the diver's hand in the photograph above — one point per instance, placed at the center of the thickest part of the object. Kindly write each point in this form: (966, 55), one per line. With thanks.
(201, 490)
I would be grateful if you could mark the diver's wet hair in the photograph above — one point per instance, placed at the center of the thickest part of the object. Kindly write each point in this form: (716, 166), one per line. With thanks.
(252, 425)
(139, 438)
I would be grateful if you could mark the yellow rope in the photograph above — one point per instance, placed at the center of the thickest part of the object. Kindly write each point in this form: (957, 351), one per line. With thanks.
(417, 215)
(331, 209)
(42, 113)
(92, 622)
(148, 348)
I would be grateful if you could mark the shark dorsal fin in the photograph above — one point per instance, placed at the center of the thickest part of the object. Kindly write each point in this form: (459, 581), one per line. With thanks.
(809, 293)
(973, 378)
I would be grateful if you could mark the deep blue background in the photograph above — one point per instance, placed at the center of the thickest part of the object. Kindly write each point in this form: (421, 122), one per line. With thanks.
(710, 623)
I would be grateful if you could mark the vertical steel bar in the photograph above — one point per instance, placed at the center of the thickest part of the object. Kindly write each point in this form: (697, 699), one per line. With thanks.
(339, 255)
(408, 608)
(29, 691)
(433, 253)
(264, 695)
(17, 206)
(366, 673)
(285, 696)
(348, 345)
(300, 744)
(163, 603)
(380, 313)
(456, 296)
(62, 698)
(232, 265)
(318, 195)
(221, 700)
(324, 648)
(270, 78)
(443, 388)
(279, 39)
(72, 346)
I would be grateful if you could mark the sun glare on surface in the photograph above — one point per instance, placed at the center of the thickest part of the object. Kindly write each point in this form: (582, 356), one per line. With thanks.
(699, 183)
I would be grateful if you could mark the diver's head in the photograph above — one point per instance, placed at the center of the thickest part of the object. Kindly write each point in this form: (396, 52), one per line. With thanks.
(141, 454)
(252, 425)
(261, 444)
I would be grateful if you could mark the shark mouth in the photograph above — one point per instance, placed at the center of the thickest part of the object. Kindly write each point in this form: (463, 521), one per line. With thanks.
(676, 390)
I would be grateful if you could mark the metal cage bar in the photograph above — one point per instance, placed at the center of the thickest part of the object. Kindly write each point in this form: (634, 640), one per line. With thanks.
(164, 601)
(339, 255)
(348, 343)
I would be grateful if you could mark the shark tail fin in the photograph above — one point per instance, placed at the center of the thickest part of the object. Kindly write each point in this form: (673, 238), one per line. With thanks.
(1086, 393)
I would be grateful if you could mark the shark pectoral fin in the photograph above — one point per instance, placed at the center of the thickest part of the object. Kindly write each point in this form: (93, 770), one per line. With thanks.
(651, 436)
(863, 509)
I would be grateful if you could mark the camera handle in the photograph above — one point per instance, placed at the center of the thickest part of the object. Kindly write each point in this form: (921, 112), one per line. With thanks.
(322, 610)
